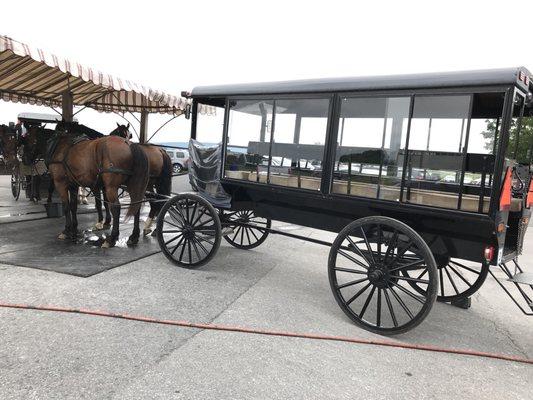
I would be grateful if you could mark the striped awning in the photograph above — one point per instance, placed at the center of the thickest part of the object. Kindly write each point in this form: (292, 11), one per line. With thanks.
(30, 75)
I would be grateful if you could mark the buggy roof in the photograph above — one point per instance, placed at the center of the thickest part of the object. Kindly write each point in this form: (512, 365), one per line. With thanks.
(489, 77)
(39, 117)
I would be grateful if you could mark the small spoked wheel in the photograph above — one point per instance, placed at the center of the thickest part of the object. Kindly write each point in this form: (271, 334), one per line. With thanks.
(458, 279)
(249, 230)
(365, 268)
(16, 183)
(188, 230)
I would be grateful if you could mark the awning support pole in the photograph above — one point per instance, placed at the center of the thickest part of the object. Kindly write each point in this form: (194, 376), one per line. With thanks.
(67, 105)
(144, 126)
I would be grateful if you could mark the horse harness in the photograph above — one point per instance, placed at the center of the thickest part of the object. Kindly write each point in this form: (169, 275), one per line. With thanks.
(74, 141)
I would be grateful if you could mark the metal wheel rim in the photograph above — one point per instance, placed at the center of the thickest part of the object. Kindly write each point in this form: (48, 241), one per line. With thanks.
(372, 291)
(188, 231)
(15, 184)
(247, 237)
(457, 280)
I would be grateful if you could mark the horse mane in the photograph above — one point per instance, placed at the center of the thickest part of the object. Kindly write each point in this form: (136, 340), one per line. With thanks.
(79, 129)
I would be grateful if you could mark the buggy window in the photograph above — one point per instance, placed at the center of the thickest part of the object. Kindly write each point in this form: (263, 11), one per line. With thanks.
(248, 142)
(297, 149)
(371, 136)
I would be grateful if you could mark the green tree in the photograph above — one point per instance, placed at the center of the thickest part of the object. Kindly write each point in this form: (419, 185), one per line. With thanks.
(520, 142)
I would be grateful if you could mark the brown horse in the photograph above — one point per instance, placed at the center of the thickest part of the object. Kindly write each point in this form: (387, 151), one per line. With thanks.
(8, 145)
(107, 162)
(160, 166)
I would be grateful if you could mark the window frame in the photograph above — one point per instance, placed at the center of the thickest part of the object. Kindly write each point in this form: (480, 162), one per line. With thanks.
(273, 97)
(332, 131)
(468, 90)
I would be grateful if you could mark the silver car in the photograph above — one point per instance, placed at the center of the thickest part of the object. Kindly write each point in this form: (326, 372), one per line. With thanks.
(180, 159)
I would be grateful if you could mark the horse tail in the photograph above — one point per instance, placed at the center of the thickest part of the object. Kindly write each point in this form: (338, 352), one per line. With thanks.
(139, 179)
(164, 182)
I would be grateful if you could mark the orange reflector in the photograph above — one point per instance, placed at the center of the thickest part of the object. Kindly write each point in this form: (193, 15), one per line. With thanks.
(505, 197)
(501, 227)
(529, 200)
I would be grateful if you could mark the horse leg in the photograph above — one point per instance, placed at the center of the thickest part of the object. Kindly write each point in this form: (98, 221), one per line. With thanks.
(112, 197)
(134, 237)
(36, 188)
(73, 213)
(107, 222)
(62, 189)
(51, 188)
(98, 205)
(153, 212)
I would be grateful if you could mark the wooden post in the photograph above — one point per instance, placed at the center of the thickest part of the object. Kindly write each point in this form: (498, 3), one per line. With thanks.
(144, 126)
(67, 105)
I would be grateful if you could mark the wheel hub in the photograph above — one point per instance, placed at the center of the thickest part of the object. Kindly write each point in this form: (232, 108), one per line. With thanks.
(379, 275)
(188, 231)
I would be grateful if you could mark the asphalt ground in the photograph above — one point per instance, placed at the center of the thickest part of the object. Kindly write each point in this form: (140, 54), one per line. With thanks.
(281, 285)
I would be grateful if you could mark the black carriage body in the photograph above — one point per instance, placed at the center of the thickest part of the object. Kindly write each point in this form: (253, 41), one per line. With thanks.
(459, 231)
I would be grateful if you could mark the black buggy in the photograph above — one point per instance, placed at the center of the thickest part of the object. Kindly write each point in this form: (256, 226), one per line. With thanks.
(425, 178)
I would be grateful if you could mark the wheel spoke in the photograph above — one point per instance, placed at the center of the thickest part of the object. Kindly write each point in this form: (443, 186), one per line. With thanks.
(368, 245)
(177, 245)
(352, 283)
(183, 249)
(355, 296)
(242, 235)
(390, 246)
(196, 249)
(408, 278)
(407, 292)
(460, 276)
(254, 235)
(465, 267)
(236, 233)
(189, 251)
(174, 238)
(391, 309)
(349, 257)
(200, 215)
(200, 244)
(409, 265)
(401, 302)
(451, 280)
(367, 302)
(378, 311)
(248, 236)
(352, 271)
(441, 280)
(357, 249)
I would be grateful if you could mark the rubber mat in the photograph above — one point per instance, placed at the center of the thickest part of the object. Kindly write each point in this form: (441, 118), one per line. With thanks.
(34, 244)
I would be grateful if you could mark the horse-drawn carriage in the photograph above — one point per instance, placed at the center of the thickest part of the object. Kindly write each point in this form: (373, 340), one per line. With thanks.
(426, 179)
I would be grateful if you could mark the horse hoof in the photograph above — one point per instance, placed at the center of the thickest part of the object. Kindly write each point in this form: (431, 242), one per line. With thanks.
(132, 241)
(106, 245)
(99, 226)
(62, 236)
(84, 201)
(147, 231)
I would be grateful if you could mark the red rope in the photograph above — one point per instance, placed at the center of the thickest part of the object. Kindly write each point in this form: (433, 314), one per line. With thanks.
(229, 328)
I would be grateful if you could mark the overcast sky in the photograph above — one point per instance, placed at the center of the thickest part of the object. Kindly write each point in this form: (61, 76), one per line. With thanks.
(176, 45)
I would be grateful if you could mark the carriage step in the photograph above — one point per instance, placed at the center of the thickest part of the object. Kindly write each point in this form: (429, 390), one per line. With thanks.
(522, 278)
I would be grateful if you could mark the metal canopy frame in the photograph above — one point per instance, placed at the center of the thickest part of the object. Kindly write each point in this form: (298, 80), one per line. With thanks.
(33, 76)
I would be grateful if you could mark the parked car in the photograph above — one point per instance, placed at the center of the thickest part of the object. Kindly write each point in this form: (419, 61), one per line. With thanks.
(180, 159)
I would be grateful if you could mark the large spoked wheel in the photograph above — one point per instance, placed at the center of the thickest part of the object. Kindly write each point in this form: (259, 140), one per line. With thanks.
(249, 230)
(16, 183)
(365, 268)
(457, 279)
(188, 230)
